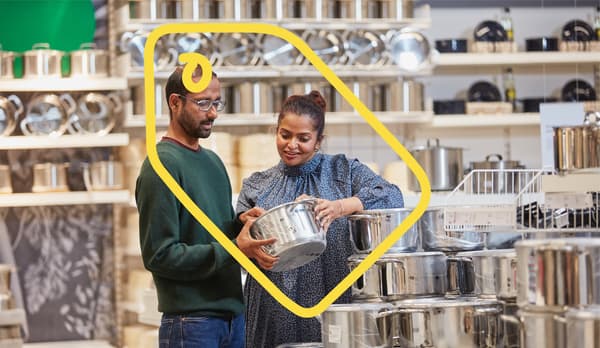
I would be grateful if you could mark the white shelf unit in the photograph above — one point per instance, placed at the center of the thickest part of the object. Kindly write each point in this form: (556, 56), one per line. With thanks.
(488, 120)
(268, 119)
(64, 198)
(64, 141)
(296, 71)
(468, 60)
(62, 84)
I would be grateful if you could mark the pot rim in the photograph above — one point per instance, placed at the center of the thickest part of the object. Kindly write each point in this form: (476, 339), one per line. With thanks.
(310, 201)
(495, 253)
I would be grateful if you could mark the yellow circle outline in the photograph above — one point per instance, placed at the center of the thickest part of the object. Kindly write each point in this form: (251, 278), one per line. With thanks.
(368, 116)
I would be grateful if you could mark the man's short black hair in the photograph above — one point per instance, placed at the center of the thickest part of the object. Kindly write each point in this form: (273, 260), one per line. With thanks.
(175, 82)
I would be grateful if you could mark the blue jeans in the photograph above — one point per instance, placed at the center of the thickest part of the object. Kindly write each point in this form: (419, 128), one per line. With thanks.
(180, 331)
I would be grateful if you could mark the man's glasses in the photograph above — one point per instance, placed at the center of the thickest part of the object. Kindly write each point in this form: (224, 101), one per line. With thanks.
(206, 104)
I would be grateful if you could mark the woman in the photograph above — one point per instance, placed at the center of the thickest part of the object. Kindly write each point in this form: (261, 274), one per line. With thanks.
(342, 186)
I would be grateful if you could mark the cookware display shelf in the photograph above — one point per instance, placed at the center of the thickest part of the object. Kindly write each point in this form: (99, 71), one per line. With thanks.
(468, 60)
(63, 84)
(64, 198)
(524, 200)
(23, 142)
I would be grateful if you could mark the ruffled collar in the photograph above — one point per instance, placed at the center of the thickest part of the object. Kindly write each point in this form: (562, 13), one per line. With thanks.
(303, 169)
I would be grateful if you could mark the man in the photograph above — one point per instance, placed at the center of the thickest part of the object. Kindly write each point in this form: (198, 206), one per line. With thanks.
(197, 281)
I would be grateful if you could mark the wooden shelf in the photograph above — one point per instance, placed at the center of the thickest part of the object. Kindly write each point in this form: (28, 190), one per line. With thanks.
(497, 120)
(63, 84)
(64, 198)
(270, 119)
(64, 141)
(468, 60)
(70, 344)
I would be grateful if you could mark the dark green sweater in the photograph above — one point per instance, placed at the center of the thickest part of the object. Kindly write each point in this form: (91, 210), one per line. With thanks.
(191, 270)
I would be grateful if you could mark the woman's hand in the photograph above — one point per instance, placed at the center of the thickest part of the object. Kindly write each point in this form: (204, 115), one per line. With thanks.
(326, 211)
(303, 197)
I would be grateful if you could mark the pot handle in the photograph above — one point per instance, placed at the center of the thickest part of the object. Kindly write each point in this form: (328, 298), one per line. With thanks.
(497, 155)
(115, 98)
(437, 142)
(87, 46)
(515, 321)
(41, 46)
(17, 102)
(70, 102)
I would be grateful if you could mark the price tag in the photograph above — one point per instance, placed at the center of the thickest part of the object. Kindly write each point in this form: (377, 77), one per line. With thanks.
(335, 334)
(572, 200)
(480, 217)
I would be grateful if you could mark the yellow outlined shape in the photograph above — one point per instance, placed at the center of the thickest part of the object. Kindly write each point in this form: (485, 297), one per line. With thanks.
(382, 131)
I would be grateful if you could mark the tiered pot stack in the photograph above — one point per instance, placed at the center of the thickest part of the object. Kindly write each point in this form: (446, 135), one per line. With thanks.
(558, 290)
(413, 296)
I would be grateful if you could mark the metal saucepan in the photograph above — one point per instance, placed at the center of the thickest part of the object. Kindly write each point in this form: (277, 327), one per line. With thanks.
(410, 50)
(495, 272)
(50, 177)
(554, 273)
(11, 108)
(435, 237)
(95, 113)
(41, 61)
(369, 228)
(407, 96)
(539, 329)
(7, 60)
(48, 114)
(357, 325)
(88, 61)
(443, 166)
(103, 175)
(443, 323)
(401, 275)
(459, 273)
(583, 327)
(300, 239)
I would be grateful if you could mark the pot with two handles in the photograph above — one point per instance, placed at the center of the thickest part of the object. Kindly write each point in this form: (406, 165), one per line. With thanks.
(369, 228)
(7, 60)
(41, 62)
(48, 114)
(11, 108)
(443, 166)
(89, 62)
(496, 176)
(300, 238)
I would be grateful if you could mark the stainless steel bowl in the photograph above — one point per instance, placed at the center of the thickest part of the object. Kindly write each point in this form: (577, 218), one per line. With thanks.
(300, 239)
(410, 50)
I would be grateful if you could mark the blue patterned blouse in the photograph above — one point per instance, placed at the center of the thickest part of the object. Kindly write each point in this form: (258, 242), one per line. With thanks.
(331, 177)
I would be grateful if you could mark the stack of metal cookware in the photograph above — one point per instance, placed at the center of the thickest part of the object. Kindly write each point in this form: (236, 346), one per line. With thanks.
(421, 292)
(558, 292)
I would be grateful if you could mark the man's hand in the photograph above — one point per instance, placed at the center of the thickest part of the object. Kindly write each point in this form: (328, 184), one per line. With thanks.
(253, 248)
(252, 213)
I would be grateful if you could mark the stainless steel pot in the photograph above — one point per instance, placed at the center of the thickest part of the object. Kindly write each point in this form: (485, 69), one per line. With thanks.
(392, 9)
(5, 276)
(410, 50)
(89, 62)
(398, 276)
(326, 44)
(434, 237)
(357, 325)
(495, 272)
(41, 61)
(539, 329)
(364, 48)
(11, 108)
(497, 178)
(103, 175)
(95, 114)
(50, 177)
(300, 239)
(369, 228)
(237, 49)
(407, 96)
(443, 323)
(577, 147)
(443, 166)
(5, 184)
(460, 276)
(583, 327)
(48, 114)
(7, 60)
(553, 273)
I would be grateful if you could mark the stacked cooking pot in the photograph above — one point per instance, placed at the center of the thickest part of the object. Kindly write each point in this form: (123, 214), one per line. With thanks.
(417, 294)
(11, 318)
(558, 292)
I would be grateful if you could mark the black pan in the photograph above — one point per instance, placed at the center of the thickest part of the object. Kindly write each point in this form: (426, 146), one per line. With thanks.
(541, 44)
(578, 30)
(577, 90)
(451, 45)
(533, 104)
(483, 91)
(490, 31)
